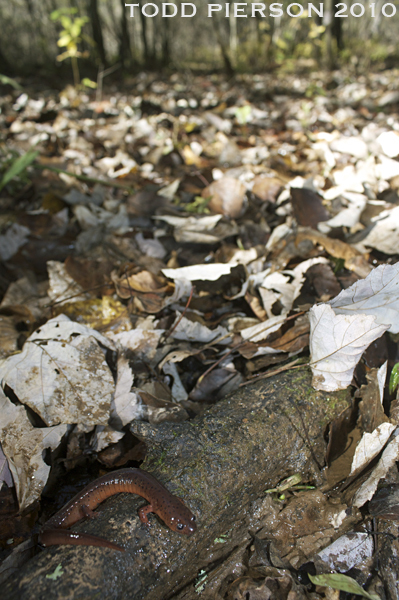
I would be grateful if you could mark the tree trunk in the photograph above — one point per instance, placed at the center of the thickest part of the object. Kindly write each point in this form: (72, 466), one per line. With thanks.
(328, 35)
(96, 29)
(225, 55)
(5, 65)
(125, 52)
(144, 36)
(165, 58)
(233, 41)
(337, 32)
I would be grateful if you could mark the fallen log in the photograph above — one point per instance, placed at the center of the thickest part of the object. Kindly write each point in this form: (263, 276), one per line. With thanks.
(220, 464)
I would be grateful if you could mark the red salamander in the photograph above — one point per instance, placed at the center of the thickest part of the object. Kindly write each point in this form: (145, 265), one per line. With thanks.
(169, 508)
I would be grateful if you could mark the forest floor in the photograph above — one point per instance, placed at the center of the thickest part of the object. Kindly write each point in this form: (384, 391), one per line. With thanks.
(197, 235)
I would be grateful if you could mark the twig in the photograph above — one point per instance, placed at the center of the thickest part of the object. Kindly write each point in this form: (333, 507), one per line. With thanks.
(96, 287)
(87, 179)
(290, 365)
(102, 73)
(238, 346)
(182, 315)
(215, 364)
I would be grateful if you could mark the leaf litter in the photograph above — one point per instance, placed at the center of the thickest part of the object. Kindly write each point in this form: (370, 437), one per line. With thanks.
(196, 262)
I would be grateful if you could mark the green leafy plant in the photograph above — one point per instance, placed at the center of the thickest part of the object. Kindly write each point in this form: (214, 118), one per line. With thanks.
(199, 205)
(243, 114)
(89, 83)
(70, 37)
(9, 81)
(394, 378)
(343, 583)
(58, 572)
(17, 167)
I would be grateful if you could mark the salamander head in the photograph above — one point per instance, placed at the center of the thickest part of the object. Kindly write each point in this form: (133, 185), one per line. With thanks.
(179, 517)
(184, 523)
(175, 514)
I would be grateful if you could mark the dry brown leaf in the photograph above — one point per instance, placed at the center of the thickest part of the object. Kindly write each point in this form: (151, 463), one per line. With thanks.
(267, 188)
(354, 260)
(293, 340)
(148, 303)
(227, 196)
(143, 282)
(190, 158)
(91, 275)
(8, 336)
(207, 387)
(307, 207)
(371, 410)
(256, 306)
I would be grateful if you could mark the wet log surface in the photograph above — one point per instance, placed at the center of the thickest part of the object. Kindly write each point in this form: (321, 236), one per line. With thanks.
(219, 463)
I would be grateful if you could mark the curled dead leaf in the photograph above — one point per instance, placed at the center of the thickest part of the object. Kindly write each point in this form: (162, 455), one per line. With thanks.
(227, 196)
(267, 188)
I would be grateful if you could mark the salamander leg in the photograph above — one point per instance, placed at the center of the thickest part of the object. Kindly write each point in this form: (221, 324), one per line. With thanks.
(143, 512)
(87, 512)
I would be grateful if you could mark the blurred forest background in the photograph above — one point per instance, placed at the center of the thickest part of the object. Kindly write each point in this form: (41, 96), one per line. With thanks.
(40, 38)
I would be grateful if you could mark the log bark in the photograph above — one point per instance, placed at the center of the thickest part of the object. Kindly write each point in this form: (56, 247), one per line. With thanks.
(220, 464)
